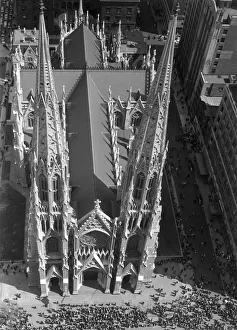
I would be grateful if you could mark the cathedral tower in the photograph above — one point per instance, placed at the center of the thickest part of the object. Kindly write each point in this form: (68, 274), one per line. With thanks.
(49, 209)
(140, 212)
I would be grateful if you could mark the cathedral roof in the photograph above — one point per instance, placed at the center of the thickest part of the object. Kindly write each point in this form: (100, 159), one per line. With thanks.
(91, 162)
(84, 43)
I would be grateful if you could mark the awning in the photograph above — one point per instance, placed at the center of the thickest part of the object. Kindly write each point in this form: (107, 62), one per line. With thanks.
(201, 164)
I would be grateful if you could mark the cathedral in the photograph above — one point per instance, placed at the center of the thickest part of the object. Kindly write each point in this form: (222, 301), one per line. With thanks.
(89, 150)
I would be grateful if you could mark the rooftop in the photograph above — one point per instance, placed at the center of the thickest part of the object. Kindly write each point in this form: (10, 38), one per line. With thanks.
(233, 90)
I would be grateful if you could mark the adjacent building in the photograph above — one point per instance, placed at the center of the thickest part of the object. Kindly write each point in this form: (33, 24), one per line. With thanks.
(221, 148)
(114, 11)
(197, 32)
(163, 10)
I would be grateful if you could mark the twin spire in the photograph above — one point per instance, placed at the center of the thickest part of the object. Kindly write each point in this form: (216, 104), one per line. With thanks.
(47, 139)
(44, 78)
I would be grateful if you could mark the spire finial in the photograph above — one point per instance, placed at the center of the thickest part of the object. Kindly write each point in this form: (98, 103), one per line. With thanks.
(177, 8)
(42, 7)
(87, 18)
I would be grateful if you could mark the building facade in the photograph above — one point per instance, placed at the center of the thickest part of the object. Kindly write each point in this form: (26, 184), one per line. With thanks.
(197, 32)
(114, 11)
(165, 8)
(221, 149)
(70, 155)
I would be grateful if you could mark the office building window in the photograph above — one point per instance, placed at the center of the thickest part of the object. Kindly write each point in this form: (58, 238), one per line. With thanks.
(128, 18)
(213, 70)
(222, 39)
(220, 47)
(118, 11)
(215, 63)
(107, 10)
(129, 11)
(225, 31)
(218, 55)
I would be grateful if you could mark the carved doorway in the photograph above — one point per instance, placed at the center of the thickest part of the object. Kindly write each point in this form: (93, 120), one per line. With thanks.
(54, 285)
(126, 283)
(90, 278)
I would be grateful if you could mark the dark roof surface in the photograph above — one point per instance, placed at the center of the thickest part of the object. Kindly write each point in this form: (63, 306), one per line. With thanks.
(61, 77)
(84, 43)
(91, 162)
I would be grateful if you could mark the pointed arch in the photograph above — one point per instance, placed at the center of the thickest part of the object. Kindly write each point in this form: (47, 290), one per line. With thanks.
(52, 245)
(140, 180)
(30, 119)
(132, 221)
(118, 119)
(136, 119)
(56, 188)
(151, 188)
(145, 221)
(129, 177)
(43, 183)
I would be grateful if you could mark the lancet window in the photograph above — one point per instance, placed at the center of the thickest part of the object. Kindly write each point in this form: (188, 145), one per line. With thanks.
(55, 186)
(139, 185)
(43, 188)
(52, 245)
(136, 119)
(118, 119)
(129, 178)
(132, 222)
(30, 119)
(144, 222)
(151, 188)
(43, 224)
(57, 223)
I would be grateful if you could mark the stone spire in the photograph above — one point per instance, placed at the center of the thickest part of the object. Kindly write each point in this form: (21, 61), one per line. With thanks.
(49, 175)
(118, 42)
(98, 26)
(141, 196)
(75, 20)
(87, 19)
(49, 140)
(80, 13)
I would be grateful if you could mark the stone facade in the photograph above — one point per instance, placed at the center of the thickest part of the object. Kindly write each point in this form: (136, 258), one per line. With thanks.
(63, 248)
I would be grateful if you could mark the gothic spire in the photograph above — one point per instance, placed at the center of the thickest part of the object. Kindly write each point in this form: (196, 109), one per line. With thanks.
(156, 111)
(80, 12)
(47, 133)
(141, 196)
(44, 76)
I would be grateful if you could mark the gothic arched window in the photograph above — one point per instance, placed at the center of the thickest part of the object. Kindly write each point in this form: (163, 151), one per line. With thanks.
(118, 119)
(151, 188)
(43, 188)
(55, 187)
(52, 245)
(30, 119)
(139, 185)
(136, 119)
(129, 178)
(144, 222)
(43, 225)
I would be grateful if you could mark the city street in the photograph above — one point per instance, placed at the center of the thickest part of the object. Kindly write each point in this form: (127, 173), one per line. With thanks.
(195, 225)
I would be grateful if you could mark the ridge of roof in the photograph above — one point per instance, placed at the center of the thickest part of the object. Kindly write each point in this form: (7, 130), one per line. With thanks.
(89, 127)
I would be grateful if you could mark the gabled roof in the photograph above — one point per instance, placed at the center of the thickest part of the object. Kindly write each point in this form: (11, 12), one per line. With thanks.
(61, 77)
(91, 162)
(82, 48)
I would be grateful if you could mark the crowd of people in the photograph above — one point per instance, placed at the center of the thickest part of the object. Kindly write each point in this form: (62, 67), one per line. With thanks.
(194, 309)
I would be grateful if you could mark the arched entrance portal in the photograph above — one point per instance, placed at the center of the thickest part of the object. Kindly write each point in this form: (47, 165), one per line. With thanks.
(91, 278)
(54, 285)
(126, 283)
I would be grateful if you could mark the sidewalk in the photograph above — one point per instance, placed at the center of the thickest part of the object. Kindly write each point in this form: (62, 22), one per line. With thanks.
(214, 225)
